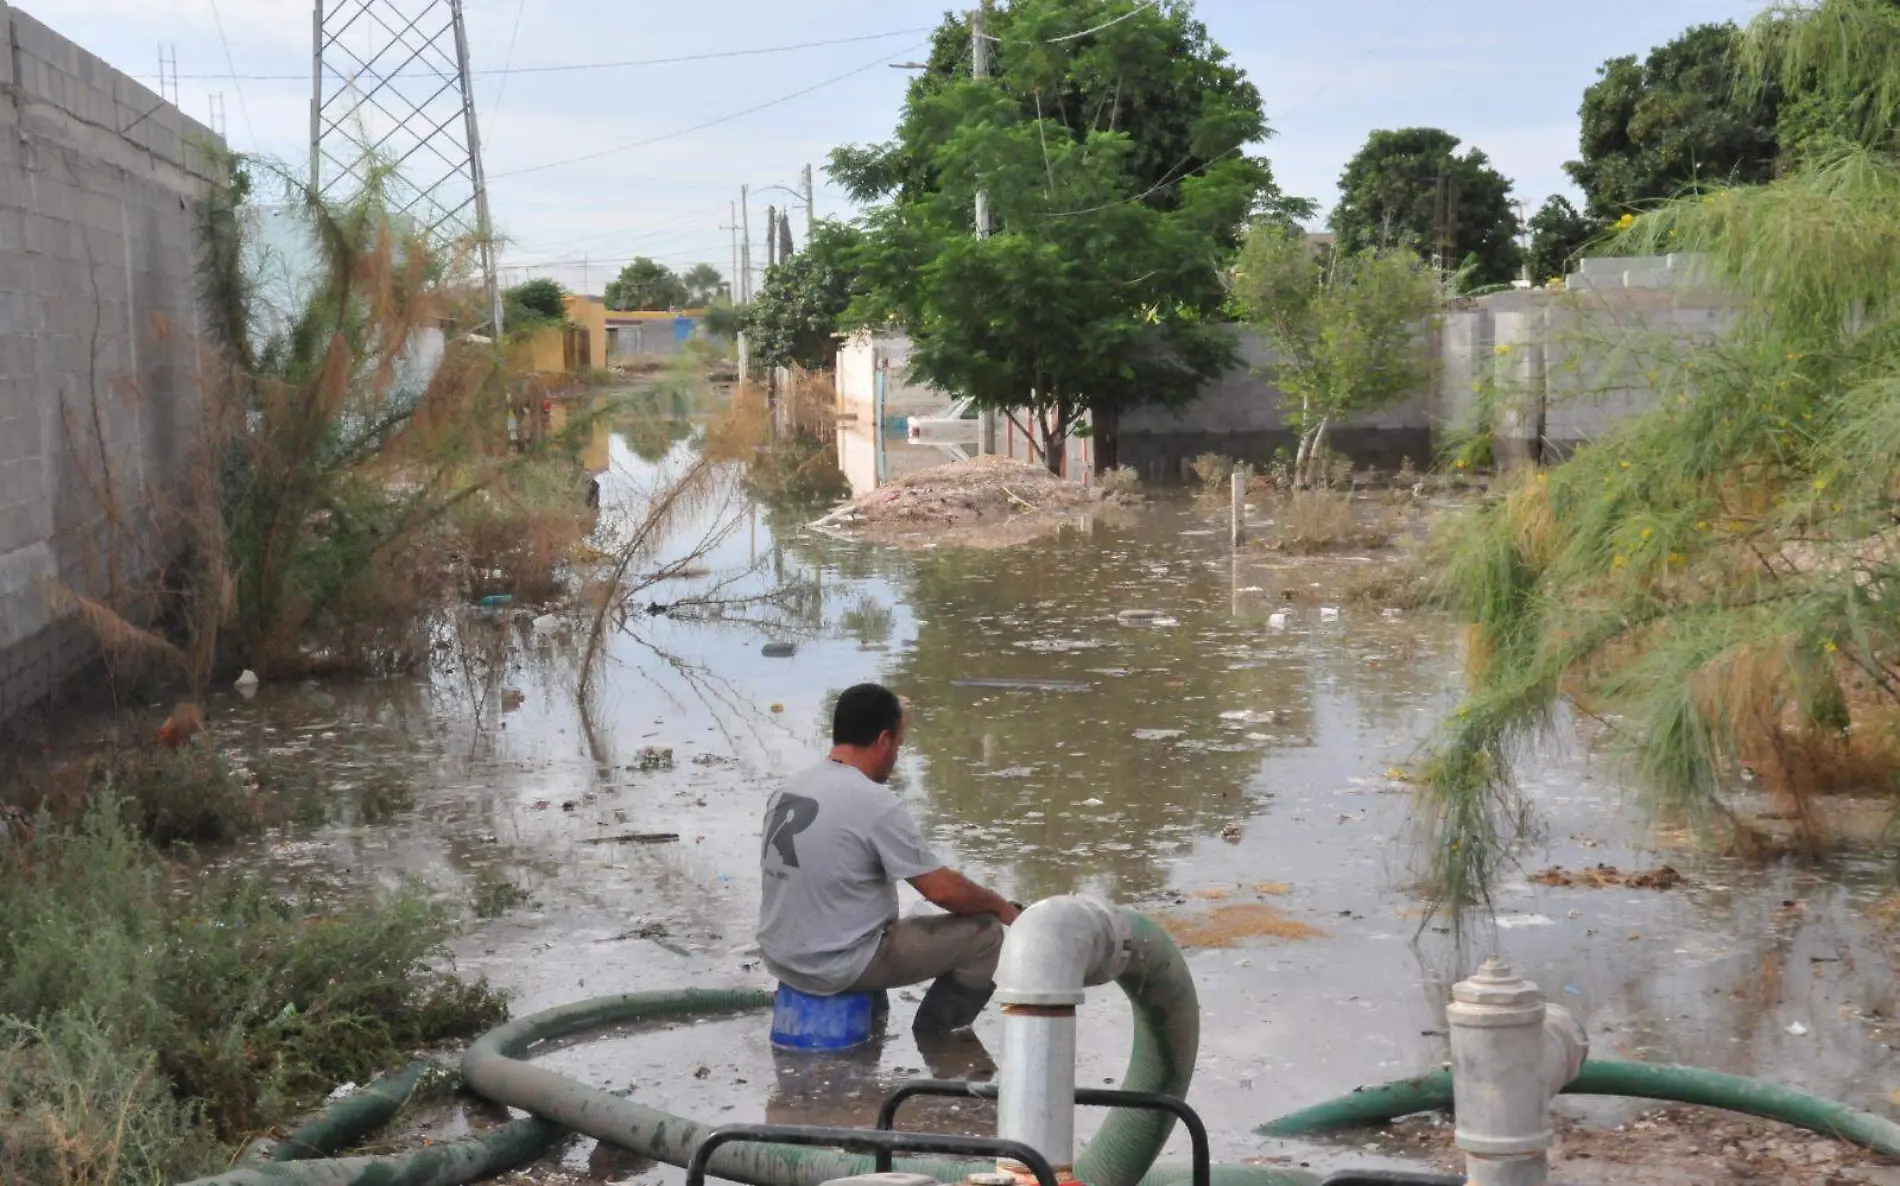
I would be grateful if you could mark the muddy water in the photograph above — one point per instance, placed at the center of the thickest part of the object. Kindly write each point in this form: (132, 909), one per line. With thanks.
(1201, 762)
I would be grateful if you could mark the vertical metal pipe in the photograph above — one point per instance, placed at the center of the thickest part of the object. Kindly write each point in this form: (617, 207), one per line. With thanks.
(1036, 1082)
(316, 89)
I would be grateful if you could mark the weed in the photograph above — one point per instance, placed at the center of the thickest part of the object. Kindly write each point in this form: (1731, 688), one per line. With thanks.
(494, 895)
(119, 971)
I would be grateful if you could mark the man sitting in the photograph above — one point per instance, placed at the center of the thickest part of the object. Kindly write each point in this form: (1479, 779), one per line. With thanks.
(836, 843)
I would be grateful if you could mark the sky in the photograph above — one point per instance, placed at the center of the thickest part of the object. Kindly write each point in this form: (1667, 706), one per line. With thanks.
(672, 143)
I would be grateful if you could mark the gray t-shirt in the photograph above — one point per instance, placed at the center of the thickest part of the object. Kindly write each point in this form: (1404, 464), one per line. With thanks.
(835, 846)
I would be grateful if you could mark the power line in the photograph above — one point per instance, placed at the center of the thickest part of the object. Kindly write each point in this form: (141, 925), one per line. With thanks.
(700, 127)
(576, 261)
(494, 113)
(578, 66)
(1072, 36)
(231, 64)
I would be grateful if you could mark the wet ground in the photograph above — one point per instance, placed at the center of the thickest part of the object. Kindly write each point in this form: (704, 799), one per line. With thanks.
(1192, 764)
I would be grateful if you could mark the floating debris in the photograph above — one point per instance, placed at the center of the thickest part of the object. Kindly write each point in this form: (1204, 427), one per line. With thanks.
(1609, 877)
(779, 650)
(1233, 926)
(634, 838)
(1022, 685)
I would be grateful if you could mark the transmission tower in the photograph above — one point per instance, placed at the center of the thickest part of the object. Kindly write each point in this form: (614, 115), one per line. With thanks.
(390, 93)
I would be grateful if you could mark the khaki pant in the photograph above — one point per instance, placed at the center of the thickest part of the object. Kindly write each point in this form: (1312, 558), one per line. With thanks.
(914, 950)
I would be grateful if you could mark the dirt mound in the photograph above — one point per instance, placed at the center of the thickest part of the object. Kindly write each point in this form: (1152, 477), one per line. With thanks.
(982, 502)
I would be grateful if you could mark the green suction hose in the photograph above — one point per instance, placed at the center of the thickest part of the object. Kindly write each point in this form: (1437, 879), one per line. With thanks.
(347, 1121)
(1167, 1037)
(1652, 1081)
(495, 1151)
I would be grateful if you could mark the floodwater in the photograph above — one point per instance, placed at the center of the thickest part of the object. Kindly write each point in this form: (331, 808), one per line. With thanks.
(1201, 762)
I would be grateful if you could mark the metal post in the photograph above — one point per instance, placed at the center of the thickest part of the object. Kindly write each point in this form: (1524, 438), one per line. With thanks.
(732, 278)
(1238, 499)
(484, 229)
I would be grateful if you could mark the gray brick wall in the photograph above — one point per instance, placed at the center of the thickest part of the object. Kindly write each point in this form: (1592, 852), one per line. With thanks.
(101, 184)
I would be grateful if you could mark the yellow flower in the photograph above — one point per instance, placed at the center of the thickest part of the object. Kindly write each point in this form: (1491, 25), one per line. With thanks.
(1460, 463)
(1831, 648)
(1618, 561)
(1624, 463)
(1647, 532)
(1702, 525)
(1477, 387)
(1624, 223)
(1677, 559)
(1820, 484)
(1555, 282)
(1501, 348)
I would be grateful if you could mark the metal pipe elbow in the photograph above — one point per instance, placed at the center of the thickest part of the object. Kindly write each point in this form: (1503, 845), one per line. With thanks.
(1060, 946)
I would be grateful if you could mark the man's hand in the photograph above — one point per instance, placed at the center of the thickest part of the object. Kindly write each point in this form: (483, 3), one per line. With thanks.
(952, 891)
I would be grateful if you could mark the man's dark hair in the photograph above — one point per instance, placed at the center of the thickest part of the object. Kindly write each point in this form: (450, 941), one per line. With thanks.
(864, 712)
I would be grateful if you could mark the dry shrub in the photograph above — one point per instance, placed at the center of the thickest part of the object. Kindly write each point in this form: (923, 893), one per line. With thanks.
(1211, 469)
(76, 1109)
(190, 795)
(1307, 522)
(1233, 926)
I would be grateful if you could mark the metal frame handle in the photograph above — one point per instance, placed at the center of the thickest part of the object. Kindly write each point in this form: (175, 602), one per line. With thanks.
(882, 1142)
(1089, 1097)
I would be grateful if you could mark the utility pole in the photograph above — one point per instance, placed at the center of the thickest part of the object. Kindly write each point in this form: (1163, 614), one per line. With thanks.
(771, 237)
(980, 68)
(810, 209)
(583, 273)
(745, 243)
(732, 277)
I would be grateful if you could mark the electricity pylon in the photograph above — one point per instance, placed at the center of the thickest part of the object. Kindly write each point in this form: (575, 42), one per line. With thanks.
(390, 92)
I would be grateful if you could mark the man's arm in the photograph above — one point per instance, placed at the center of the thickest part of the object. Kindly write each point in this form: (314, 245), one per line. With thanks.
(952, 891)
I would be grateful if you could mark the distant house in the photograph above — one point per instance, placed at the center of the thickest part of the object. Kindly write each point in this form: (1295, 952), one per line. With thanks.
(595, 337)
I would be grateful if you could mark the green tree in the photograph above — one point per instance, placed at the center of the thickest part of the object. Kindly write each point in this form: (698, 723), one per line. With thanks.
(533, 303)
(1558, 235)
(804, 301)
(1117, 185)
(703, 285)
(1390, 196)
(644, 284)
(1345, 326)
(1674, 123)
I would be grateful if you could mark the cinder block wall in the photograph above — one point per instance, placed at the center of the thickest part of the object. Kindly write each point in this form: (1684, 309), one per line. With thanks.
(101, 184)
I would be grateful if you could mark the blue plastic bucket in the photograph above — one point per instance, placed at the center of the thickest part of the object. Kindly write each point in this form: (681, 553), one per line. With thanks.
(804, 1022)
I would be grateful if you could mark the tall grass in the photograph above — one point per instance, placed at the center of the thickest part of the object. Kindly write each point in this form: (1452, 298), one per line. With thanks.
(151, 1014)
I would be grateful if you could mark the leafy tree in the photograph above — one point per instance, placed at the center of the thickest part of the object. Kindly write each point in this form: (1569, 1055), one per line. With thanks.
(703, 285)
(533, 303)
(804, 301)
(1558, 235)
(1345, 328)
(1673, 123)
(1117, 187)
(644, 284)
(1389, 197)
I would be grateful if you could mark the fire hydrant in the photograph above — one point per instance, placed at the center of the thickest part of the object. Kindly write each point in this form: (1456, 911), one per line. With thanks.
(1511, 1053)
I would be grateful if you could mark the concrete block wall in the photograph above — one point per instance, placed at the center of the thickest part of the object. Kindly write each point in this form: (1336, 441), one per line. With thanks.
(101, 183)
